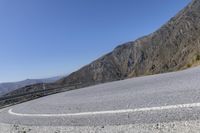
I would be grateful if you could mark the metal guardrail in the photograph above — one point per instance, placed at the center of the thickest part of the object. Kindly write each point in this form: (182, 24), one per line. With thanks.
(29, 93)
(35, 94)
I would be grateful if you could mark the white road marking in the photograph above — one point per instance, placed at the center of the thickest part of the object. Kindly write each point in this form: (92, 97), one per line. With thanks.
(10, 111)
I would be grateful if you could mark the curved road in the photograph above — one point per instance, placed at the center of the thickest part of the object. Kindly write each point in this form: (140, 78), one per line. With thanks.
(158, 98)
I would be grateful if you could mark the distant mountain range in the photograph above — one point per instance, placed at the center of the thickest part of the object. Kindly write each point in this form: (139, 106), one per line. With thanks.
(11, 86)
(174, 46)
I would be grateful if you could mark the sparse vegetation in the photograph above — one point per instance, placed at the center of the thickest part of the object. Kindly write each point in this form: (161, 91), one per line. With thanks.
(189, 65)
(198, 57)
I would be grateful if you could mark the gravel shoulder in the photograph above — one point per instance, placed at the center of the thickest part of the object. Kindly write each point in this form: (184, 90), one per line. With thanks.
(171, 127)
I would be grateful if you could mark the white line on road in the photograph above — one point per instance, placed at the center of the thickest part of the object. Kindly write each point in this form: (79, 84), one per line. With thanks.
(10, 111)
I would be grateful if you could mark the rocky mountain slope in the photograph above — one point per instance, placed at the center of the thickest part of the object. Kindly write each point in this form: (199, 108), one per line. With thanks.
(175, 46)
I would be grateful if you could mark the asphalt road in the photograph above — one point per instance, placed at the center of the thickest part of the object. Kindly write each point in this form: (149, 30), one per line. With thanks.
(151, 99)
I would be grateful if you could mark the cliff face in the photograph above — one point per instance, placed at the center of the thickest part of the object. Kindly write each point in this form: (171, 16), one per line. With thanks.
(176, 45)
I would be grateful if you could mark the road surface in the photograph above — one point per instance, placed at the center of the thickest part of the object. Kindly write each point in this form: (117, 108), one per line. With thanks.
(158, 98)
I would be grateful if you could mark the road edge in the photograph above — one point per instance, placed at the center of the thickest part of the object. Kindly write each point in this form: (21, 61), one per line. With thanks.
(175, 127)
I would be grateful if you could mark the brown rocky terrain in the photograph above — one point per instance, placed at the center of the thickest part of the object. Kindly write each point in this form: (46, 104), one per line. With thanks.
(175, 46)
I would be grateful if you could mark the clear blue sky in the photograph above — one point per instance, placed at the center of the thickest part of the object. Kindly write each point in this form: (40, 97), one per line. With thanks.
(44, 38)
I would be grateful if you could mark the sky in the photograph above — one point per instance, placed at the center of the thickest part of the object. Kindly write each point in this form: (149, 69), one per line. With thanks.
(45, 38)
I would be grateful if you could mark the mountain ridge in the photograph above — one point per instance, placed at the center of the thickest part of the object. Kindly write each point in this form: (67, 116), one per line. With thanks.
(133, 59)
(11, 86)
(174, 46)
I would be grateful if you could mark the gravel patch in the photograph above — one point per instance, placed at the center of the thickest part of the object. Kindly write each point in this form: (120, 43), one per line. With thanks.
(171, 127)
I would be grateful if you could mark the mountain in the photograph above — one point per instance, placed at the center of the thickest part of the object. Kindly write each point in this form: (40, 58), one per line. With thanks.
(174, 46)
(11, 86)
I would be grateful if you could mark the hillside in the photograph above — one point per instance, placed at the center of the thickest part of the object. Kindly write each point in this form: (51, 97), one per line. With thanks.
(11, 86)
(174, 46)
